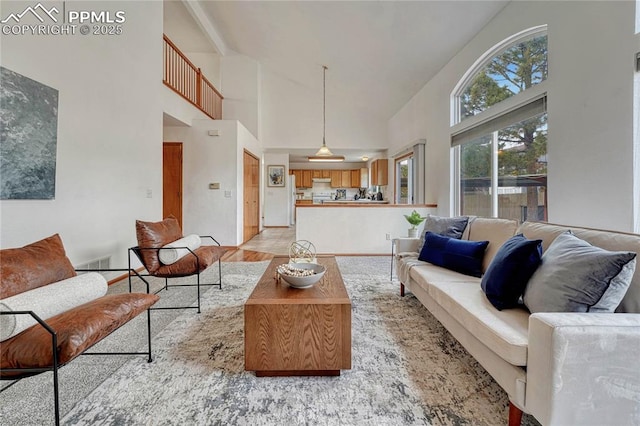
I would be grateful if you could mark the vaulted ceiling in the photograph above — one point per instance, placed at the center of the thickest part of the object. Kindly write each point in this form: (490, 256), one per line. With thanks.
(379, 53)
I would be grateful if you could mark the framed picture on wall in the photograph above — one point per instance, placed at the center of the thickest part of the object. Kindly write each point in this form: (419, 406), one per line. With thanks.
(275, 176)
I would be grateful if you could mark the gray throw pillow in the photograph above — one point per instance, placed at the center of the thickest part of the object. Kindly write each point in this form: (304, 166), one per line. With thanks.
(575, 276)
(451, 227)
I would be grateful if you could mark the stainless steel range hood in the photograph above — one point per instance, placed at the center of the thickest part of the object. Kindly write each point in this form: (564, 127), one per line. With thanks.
(321, 179)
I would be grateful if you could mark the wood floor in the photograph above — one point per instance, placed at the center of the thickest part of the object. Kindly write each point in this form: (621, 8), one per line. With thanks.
(264, 246)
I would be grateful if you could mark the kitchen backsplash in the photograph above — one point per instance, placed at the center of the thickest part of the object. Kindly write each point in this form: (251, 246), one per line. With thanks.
(349, 193)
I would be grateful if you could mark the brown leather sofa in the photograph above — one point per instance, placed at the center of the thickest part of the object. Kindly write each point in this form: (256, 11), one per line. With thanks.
(56, 341)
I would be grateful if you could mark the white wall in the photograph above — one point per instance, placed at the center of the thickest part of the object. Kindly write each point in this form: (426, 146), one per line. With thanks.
(178, 107)
(276, 199)
(109, 144)
(240, 86)
(590, 89)
(292, 116)
(209, 64)
(213, 159)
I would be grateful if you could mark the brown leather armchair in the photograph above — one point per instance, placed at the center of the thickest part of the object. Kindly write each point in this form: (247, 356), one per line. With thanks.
(152, 239)
(29, 273)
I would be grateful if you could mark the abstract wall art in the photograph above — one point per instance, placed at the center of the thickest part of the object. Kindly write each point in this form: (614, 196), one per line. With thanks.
(276, 176)
(28, 138)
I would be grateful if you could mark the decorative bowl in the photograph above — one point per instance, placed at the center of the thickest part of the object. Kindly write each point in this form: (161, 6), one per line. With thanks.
(316, 273)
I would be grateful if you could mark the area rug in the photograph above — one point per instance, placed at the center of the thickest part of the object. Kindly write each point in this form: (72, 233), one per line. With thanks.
(406, 369)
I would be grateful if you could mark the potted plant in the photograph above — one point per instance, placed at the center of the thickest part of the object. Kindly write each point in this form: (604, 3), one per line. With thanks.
(415, 220)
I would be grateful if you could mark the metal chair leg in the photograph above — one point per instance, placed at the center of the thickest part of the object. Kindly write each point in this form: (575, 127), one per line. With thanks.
(198, 292)
(56, 388)
(149, 334)
(129, 261)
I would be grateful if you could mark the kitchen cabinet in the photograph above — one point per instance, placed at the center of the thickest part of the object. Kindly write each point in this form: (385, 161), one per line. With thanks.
(346, 178)
(383, 172)
(306, 179)
(336, 178)
(355, 178)
(380, 172)
(298, 175)
(303, 178)
(303, 202)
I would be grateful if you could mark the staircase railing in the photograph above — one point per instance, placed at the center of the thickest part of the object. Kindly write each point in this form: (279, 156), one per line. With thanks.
(184, 78)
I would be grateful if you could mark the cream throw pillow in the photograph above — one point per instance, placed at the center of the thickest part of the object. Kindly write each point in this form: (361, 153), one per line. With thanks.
(48, 301)
(170, 253)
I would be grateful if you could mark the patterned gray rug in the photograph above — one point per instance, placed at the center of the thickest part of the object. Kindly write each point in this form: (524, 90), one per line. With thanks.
(406, 370)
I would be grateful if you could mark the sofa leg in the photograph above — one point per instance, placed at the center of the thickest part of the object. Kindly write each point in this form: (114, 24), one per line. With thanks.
(401, 290)
(515, 415)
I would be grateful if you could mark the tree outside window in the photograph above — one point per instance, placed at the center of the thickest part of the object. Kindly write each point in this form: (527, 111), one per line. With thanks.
(518, 151)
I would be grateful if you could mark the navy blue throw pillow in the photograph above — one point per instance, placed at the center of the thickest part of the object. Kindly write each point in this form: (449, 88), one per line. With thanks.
(510, 271)
(458, 255)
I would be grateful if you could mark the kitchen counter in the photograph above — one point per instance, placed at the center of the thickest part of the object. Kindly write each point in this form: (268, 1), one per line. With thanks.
(368, 204)
(355, 227)
(342, 202)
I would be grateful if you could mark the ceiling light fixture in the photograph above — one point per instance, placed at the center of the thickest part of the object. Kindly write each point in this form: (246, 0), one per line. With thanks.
(324, 153)
(365, 158)
(329, 159)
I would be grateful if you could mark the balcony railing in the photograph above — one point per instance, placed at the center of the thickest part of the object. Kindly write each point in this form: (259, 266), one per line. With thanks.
(187, 80)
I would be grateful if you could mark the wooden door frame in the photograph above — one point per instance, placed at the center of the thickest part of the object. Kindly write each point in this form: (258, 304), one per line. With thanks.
(244, 186)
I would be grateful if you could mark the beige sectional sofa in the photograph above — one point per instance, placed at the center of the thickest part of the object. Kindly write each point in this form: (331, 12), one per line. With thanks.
(563, 368)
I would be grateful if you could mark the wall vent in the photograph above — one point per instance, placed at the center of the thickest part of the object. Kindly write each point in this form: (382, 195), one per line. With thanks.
(102, 264)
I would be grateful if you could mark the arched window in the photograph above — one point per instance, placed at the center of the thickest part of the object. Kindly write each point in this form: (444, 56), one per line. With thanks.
(499, 131)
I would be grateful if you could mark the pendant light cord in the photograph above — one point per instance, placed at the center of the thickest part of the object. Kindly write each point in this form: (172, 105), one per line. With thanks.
(324, 102)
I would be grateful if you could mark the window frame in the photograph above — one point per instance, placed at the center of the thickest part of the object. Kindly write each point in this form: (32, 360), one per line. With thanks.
(481, 62)
(515, 102)
(410, 186)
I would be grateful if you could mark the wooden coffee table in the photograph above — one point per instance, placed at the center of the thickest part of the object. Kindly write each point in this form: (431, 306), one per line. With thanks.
(298, 332)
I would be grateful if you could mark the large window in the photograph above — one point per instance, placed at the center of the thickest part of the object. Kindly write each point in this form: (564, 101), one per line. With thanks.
(499, 136)
(636, 125)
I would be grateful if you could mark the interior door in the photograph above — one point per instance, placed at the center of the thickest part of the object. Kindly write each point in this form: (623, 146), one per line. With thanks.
(172, 180)
(251, 185)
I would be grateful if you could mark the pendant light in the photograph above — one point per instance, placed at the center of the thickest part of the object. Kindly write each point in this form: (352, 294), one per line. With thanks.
(324, 153)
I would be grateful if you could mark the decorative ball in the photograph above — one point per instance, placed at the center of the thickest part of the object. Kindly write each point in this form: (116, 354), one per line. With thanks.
(302, 251)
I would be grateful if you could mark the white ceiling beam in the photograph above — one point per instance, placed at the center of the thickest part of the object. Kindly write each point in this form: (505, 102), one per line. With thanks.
(209, 30)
